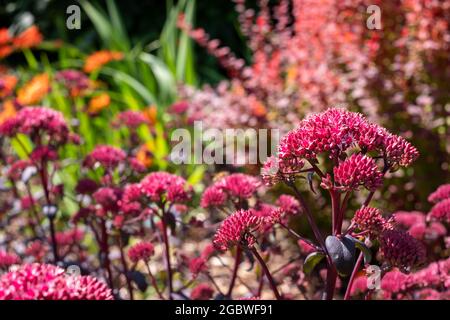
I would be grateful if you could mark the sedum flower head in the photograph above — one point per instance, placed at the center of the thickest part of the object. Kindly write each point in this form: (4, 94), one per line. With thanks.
(107, 156)
(440, 211)
(358, 170)
(401, 250)
(49, 282)
(141, 251)
(37, 122)
(370, 219)
(160, 186)
(237, 229)
(441, 193)
(213, 197)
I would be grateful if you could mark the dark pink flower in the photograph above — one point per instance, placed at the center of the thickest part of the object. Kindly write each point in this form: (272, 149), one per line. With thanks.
(239, 185)
(43, 153)
(422, 231)
(213, 197)
(202, 291)
(435, 275)
(74, 80)
(37, 123)
(359, 286)
(237, 229)
(197, 265)
(393, 282)
(17, 168)
(399, 151)
(36, 249)
(49, 282)
(69, 237)
(288, 204)
(163, 186)
(8, 259)
(86, 186)
(107, 197)
(441, 193)
(331, 131)
(179, 107)
(208, 251)
(141, 251)
(440, 211)
(358, 170)
(130, 119)
(407, 219)
(371, 219)
(107, 156)
(401, 250)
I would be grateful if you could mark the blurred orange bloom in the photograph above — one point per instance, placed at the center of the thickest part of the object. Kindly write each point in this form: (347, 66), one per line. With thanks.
(98, 103)
(31, 37)
(35, 90)
(257, 108)
(7, 111)
(4, 36)
(5, 48)
(7, 84)
(96, 60)
(150, 114)
(144, 156)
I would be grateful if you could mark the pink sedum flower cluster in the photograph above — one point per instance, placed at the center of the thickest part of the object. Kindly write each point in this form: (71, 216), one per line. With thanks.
(237, 230)
(401, 250)
(141, 251)
(37, 122)
(107, 156)
(358, 170)
(49, 282)
(371, 220)
(235, 187)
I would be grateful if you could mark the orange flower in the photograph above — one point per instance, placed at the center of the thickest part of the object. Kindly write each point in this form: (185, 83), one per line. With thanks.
(7, 84)
(31, 37)
(96, 60)
(4, 36)
(35, 90)
(5, 48)
(150, 114)
(257, 108)
(7, 111)
(5, 51)
(144, 155)
(98, 103)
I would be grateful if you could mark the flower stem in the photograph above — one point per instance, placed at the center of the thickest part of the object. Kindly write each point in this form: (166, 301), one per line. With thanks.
(273, 286)
(353, 276)
(154, 284)
(237, 261)
(295, 234)
(104, 247)
(167, 254)
(125, 267)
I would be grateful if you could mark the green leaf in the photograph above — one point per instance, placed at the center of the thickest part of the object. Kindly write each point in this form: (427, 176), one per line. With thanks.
(312, 260)
(164, 78)
(364, 249)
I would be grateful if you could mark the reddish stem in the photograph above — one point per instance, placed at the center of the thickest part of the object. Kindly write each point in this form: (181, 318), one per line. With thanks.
(237, 261)
(353, 276)
(104, 247)
(273, 286)
(154, 284)
(125, 267)
(167, 254)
